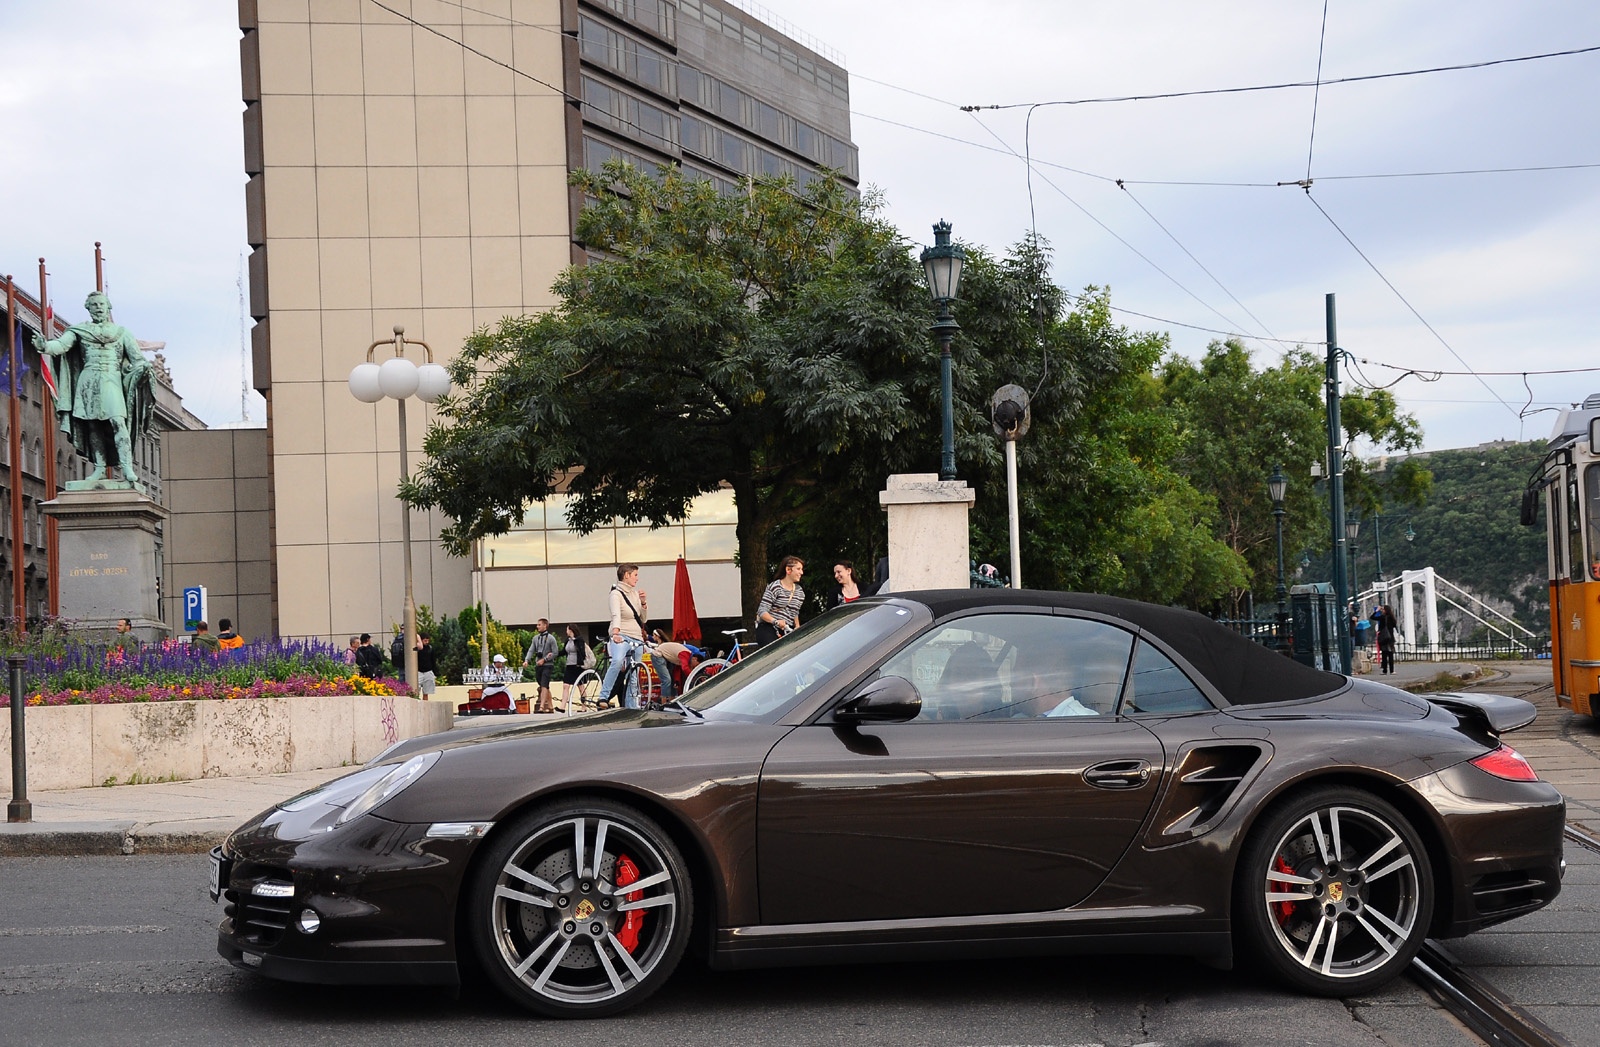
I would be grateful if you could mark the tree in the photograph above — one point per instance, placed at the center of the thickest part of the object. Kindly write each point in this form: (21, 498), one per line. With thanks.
(775, 342)
(1239, 423)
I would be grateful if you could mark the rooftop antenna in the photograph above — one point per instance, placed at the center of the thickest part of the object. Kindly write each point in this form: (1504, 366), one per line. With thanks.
(244, 349)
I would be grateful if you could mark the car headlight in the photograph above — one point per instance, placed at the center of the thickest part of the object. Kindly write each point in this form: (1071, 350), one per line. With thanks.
(364, 790)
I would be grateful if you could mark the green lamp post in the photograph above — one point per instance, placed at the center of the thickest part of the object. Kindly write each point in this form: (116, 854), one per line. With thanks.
(942, 263)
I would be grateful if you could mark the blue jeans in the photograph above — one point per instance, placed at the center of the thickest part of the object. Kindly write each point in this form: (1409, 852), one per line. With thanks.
(630, 698)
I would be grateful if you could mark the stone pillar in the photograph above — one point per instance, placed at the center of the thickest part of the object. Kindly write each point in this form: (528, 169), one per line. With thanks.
(928, 537)
(109, 560)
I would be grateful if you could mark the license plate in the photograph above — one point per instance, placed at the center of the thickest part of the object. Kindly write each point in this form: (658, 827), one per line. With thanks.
(219, 870)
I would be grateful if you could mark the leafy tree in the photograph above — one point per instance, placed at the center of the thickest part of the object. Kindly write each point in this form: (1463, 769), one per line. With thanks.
(1240, 422)
(775, 342)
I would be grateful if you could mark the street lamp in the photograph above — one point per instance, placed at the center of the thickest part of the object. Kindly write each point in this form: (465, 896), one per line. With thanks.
(1352, 530)
(1277, 488)
(942, 263)
(399, 378)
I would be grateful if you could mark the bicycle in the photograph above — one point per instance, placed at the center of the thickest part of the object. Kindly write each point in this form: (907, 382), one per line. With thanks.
(712, 666)
(638, 674)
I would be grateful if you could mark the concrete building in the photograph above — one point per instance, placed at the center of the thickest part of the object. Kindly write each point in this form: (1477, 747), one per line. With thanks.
(408, 164)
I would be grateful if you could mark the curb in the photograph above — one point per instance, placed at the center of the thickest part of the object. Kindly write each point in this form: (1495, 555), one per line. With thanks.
(84, 839)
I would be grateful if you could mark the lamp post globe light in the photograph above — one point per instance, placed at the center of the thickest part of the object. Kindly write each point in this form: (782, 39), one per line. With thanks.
(1277, 489)
(942, 263)
(398, 378)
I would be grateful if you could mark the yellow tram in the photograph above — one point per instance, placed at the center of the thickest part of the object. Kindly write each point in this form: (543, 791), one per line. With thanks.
(1568, 480)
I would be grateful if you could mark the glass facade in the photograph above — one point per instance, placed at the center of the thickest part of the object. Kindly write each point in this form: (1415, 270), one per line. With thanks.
(706, 535)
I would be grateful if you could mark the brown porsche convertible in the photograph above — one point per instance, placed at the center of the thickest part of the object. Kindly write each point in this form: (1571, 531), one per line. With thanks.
(926, 775)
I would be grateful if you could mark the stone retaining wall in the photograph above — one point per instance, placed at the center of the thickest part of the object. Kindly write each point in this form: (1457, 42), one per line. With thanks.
(77, 746)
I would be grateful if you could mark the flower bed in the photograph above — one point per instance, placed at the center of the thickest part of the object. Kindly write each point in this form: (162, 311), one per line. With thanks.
(82, 674)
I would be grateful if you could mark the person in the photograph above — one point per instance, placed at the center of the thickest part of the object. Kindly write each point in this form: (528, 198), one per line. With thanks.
(427, 666)
(496, 697)
(778, 614)
(228, 640)
(630, 610)
(579, 658)
(368, 658)
(681, 658)
(350, 652)
(844, 572)
(1386, 638)
(126, 643)
(397, 652)
(617, 649)
(542, 652)
(203, 640)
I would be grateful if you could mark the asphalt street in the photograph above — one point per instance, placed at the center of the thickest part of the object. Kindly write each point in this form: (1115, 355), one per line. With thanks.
(122, 950)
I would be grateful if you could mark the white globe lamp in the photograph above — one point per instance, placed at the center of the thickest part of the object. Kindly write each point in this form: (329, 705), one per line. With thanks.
(433, 383)
(364, 383)
(398, 378)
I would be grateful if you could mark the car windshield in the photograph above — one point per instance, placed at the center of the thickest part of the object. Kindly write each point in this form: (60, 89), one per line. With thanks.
(764, 685)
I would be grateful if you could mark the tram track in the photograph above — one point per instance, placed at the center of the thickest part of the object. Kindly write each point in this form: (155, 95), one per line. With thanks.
(1479, 1005)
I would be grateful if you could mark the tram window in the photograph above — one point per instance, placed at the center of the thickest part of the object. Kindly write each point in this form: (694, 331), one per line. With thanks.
(1591, 498)
(1553, 520)
(1575, 561)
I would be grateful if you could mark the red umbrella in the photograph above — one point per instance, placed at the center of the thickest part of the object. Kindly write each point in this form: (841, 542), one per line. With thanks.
(685, 620)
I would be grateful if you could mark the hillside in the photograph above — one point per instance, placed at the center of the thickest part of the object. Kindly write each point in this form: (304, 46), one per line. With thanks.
(1469, 531)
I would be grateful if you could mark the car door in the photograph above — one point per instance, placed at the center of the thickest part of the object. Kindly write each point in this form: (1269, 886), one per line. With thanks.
(1015, 790)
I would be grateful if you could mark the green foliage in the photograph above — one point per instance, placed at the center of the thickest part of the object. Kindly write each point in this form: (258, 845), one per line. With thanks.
(1238, 423)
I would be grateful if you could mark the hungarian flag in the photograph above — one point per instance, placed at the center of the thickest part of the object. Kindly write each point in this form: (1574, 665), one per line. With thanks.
(44, 361)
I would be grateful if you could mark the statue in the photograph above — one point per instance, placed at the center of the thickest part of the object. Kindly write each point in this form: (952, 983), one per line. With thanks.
(105, 395)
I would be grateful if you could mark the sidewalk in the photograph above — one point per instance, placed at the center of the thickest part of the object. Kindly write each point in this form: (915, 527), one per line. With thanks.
(167, 817)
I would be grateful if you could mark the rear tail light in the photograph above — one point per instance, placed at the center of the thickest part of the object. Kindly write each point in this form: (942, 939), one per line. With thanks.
(1505, 762)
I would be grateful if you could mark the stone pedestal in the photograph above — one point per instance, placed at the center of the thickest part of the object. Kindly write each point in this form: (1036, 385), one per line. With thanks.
(109, 560)
(928, 538)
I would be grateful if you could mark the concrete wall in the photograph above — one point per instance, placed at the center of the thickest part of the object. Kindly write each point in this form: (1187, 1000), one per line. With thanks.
(216, 487)
(396, 178)
(80, 746)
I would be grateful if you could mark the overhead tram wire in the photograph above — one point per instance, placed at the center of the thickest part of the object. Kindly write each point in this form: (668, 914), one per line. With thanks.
(1196, 261)
(1117, 236)
(1407, 303)
(1318, 83)
(1316, 92)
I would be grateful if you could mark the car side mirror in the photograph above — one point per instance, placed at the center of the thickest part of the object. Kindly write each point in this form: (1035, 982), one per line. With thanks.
(889, 699)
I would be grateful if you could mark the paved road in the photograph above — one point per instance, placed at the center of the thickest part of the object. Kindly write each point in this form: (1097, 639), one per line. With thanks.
(121, 950)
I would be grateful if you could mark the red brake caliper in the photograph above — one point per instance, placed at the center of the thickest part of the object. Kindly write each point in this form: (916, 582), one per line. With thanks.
(1283, 910)
(633, 919)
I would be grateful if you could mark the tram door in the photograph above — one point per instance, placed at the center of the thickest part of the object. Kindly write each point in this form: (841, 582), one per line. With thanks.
(1574, 582)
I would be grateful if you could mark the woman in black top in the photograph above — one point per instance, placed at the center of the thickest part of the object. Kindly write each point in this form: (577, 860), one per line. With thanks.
(844, 572)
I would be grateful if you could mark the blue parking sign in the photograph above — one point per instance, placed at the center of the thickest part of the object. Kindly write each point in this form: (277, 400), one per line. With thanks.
(194, 607)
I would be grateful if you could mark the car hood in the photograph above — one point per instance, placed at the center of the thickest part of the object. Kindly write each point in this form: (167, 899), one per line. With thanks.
(492, 733)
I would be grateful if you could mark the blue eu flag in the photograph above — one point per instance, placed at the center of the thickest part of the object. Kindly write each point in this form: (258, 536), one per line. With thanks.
(5, 365)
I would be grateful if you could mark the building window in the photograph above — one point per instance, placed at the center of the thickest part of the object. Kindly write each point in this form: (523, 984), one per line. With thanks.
(625, 114)
(627, 57)
(543, 540)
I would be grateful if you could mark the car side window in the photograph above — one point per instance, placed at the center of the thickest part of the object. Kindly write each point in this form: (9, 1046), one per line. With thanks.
(1158, 686)
(1015, 666)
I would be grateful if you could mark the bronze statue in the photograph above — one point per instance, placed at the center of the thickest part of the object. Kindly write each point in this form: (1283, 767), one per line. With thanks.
(105, 394)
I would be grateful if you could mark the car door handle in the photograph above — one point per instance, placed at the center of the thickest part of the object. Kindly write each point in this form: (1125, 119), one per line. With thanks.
(1118, 774)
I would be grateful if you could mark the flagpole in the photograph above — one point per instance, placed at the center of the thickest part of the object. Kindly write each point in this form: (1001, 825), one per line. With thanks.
(19, 607)
(52, 550)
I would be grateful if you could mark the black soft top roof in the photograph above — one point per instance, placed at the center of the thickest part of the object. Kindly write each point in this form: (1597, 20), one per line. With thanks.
(1245, 672)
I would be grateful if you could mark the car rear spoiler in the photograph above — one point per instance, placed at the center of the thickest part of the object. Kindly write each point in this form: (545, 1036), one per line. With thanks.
(1498, 712)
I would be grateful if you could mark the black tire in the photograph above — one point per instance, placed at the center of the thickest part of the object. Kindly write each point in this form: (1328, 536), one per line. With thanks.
(545, 920)
(1334, 892)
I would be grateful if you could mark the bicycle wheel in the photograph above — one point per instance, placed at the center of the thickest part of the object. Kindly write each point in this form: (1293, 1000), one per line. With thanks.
(649, 685)
(705, 671)
(585, 690)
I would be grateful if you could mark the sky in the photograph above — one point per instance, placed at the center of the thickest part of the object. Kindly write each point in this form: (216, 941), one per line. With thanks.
(124, 127)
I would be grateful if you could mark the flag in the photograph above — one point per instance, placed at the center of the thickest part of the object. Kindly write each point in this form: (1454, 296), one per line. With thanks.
(44, 361)
(14, 388)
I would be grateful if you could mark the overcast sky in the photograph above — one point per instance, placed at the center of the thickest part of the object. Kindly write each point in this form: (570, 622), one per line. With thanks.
(123, 122)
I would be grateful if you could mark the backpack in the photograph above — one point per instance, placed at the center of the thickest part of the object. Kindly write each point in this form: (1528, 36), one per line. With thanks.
(397, 649)
(588, 657)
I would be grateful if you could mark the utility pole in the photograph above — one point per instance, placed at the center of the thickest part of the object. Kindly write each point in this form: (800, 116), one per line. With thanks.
(1336, 492)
